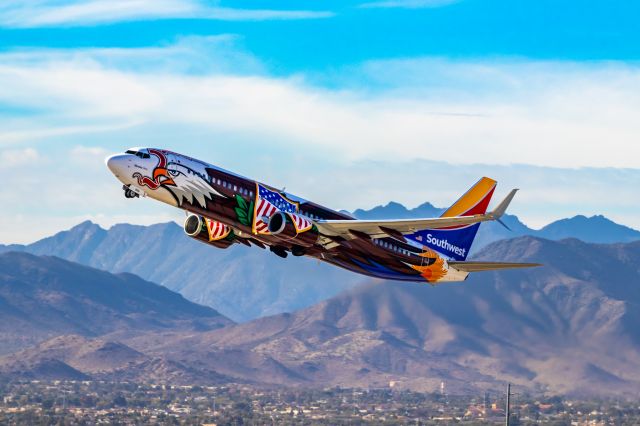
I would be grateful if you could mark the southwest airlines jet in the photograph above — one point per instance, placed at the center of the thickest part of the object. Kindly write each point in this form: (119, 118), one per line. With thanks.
(224, 209)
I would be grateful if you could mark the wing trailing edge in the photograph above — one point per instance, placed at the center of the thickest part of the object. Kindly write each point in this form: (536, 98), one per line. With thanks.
(489, 266)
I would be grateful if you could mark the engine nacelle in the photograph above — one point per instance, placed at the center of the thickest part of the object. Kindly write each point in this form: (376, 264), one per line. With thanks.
(208, 231)
(293, 228)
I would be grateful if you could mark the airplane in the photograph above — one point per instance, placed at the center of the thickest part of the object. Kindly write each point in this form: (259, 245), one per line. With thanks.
(224, 208)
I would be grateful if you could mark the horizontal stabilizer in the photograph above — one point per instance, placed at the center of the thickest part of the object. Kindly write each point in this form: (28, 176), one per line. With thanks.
(489, 266)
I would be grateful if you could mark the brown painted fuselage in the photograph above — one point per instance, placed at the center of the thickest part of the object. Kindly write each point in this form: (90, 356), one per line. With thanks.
(230, 206)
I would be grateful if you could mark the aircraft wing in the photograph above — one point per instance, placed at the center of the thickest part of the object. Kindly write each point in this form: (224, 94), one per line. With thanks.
(384, 228)
(350, 229)
(489, 266)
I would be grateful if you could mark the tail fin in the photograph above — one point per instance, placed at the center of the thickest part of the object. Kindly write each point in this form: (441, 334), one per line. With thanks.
(474, 201)
(455, 242)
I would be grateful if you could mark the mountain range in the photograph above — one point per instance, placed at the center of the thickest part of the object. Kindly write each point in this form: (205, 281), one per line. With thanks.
(247, 283)
(568, 327)
(43, 296)
(242, 283)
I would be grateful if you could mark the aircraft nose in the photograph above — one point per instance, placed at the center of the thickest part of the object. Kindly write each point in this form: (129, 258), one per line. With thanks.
(116, 163)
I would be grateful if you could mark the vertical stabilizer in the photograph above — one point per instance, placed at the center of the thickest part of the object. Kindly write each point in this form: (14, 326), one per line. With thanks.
(455, 242)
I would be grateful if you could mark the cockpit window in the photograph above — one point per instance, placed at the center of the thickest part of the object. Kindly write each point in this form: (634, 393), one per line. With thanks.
(137, 153)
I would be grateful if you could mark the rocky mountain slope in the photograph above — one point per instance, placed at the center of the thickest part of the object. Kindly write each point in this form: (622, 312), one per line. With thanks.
(73, 357)
(567, 327)
(42, 297)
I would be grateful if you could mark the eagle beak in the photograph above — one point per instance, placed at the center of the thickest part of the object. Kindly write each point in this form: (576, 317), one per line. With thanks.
(165, 174)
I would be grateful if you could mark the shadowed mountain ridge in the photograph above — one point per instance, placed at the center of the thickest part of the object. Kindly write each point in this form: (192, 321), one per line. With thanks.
(246, 283)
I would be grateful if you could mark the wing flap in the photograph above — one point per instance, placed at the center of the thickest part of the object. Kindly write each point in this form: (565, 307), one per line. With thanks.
(490, 266)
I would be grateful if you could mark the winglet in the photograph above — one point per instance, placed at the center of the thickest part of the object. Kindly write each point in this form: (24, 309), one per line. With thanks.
(499, 211)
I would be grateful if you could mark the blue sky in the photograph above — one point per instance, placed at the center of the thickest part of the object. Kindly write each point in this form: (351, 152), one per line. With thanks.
(353, 104)
(347, 32)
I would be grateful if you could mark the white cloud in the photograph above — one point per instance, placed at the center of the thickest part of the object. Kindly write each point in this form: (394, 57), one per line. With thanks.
(88, 156)
(548, 114)
(544, 114)
(408, 4)
(84, 151)
(48, 13)
(18, 157)
(410, 131)
(47, 132)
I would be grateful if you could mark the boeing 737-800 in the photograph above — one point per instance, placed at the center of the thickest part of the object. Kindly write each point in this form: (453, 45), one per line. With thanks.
(225, 209)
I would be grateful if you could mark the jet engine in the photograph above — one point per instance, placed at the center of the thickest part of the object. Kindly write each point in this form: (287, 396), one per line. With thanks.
(209, 231)
(281, 225)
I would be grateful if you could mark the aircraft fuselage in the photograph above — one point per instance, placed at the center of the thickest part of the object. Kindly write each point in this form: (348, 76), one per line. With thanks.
(229, 209)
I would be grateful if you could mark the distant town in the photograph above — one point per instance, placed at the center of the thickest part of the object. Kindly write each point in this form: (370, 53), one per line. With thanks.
(93, 402)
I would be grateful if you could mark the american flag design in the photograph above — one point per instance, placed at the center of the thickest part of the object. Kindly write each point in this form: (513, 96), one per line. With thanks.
(267, 203)
(301, 223)
(217, 230)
